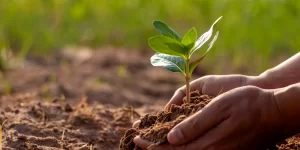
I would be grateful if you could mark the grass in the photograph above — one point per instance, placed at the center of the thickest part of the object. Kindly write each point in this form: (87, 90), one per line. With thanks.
(261, 30)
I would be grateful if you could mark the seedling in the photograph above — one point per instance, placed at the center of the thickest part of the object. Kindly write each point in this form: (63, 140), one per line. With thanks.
(175, 53)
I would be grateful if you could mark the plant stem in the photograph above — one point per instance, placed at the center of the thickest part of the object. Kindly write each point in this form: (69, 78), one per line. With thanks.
(187, 80)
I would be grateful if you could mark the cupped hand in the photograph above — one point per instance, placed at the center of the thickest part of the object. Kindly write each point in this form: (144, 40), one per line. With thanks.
(242, 118)
(211, 85)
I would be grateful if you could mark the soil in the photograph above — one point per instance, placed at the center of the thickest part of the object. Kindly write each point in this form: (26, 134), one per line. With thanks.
(155, 128)
(81, 99)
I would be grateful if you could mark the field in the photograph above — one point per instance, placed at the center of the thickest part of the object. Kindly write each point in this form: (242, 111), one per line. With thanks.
(80, 102)
(265, 30)
(75, 75)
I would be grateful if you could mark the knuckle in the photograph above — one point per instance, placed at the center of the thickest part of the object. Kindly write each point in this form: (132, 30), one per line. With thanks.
(243, 81)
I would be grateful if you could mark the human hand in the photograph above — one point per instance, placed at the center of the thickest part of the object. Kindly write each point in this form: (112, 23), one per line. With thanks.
(243, 118)
(211, 85)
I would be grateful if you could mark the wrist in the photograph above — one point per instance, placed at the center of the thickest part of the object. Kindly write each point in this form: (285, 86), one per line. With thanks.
(273, 79)
(269, 80)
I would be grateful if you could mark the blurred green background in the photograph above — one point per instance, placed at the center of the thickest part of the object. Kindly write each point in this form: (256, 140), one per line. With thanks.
(254, 34)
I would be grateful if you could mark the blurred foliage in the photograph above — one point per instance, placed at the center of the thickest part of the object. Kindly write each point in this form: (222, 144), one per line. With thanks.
(252, 32)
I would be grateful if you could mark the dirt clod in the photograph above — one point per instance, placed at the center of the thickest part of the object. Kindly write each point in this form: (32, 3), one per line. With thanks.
(68, 108)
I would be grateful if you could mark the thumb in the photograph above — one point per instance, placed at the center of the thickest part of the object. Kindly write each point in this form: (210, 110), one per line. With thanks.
(197, 124)
(181, 92)
(177, 97)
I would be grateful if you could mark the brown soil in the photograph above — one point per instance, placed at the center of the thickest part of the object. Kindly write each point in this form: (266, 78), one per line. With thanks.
(84, 101)
(155, 128)
(80, 99)
(55, 125)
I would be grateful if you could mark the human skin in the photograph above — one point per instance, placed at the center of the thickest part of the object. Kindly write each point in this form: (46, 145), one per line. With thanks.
(243, 118)
(286, 73)
(248, 100)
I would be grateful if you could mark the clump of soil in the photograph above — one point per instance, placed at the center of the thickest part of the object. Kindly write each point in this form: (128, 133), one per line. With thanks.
(155, 128)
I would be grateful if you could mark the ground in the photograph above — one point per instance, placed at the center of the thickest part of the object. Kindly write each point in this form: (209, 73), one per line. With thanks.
(81, 99)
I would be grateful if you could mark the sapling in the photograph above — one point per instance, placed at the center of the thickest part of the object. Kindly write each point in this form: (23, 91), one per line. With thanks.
(175, 53)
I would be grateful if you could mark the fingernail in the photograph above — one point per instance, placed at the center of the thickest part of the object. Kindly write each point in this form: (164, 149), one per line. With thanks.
(136, 123)
(137, 138)
(175, 136)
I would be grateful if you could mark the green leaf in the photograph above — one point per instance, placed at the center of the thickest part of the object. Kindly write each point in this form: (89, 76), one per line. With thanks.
(189, 39)
(194, 64)
(211, 44)
(172, 63)
(166, 45)
(204, 37)
(166, 30)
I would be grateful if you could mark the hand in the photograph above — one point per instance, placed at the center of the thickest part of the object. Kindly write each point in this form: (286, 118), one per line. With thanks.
(243, 118)
(212, 85)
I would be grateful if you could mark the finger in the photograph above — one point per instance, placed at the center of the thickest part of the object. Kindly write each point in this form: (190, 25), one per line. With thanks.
(141, 143)
(181, 92)
(199, 123)
(176, 98)
(136, 123)
(144, 144)
(211, 138)
(214, 138)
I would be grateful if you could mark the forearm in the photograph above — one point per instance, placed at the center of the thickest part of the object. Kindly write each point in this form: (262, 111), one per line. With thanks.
(284, 74)
(288, 102)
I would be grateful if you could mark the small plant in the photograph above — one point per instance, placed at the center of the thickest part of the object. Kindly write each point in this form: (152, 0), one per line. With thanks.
(174, 53)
